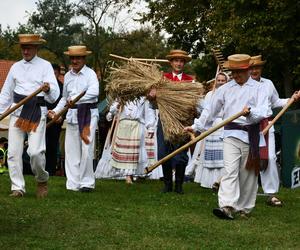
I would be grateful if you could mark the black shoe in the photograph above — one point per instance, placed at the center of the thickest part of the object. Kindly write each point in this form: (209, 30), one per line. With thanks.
(178, 189)
(224, 213)
(86, 190)
(167, 189)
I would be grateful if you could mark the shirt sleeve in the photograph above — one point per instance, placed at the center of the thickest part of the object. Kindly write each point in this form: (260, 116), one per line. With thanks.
(6, 95)
(113, 109)
(63, 100)
(150, 117)
(276, 102)
(212, 106)
(260, 110)
(50, 78)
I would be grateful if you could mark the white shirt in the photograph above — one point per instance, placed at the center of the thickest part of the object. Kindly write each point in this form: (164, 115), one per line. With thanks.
(139, 110)
(75, 83)
(26, 77)
(273, 98)
(232, 98)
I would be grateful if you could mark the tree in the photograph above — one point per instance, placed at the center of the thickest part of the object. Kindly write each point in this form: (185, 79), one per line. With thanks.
(100, 15)
(144, 42)
(185, 21)
(267, 27)
(9, 47)
(54, 20)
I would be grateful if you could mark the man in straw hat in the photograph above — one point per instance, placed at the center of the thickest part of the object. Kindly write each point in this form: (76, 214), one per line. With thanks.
(238, 186)
(24, 77)
(177, 59)
(269, 176)
(81, 120)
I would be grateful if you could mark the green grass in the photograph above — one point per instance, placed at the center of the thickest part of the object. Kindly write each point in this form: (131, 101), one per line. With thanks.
(117, 216)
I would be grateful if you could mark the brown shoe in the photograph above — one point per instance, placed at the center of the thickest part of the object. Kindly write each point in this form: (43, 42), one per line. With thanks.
(274, 201)
(244, 215)
(42, 190)
(224, 213)
(17, 193)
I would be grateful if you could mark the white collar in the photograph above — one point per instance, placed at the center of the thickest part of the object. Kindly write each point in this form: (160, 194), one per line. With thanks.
(82, 71)
(178, 75)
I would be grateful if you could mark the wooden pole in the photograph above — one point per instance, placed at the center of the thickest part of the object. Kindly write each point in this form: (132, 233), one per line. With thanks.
(129, 59)
(282, 111)
(22, 102)
(198, 138)
(150, 60)
(65, 109)
(110, 132)
(116, 127)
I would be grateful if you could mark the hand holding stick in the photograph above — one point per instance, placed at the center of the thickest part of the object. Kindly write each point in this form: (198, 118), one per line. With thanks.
(23, 101)
(198, 138)
(65, 109)
(284, 109)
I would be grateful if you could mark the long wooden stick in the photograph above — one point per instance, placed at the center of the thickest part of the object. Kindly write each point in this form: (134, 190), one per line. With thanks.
(129, 59)
(198, 138)
(282, 111)
(150, 60)
(22, 102)
(116, 127)
(108, 137)
(65, 109)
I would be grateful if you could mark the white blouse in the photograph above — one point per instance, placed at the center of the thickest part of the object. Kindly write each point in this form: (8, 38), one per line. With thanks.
(139, 110)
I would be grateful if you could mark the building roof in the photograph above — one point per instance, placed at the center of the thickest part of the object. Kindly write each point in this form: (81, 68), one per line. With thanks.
(4, 68)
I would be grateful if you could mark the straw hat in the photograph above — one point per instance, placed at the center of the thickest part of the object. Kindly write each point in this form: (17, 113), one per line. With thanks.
(256, 61)
(237, 61)
(78, 50)
(31, 39)
(177, 53)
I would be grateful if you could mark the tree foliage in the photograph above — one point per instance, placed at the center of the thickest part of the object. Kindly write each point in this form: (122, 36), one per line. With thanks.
(100, 16)
(267, 27)
(185, 21)
(54, 20)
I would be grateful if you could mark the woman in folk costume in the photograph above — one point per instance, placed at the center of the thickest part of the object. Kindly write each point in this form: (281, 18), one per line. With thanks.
(133, 147)
(81, 119)
(210, 154)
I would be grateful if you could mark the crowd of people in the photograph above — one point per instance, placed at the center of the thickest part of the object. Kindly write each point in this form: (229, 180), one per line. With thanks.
(228, 160)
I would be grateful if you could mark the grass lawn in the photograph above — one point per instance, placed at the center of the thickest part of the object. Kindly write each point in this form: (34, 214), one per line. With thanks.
(117, 216)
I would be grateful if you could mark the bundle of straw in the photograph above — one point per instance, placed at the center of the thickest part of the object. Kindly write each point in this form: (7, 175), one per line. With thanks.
(177, 108)
(132, 80)
(176, 102)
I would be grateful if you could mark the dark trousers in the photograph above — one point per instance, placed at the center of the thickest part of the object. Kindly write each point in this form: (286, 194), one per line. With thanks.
(178, 162)
(52, 145)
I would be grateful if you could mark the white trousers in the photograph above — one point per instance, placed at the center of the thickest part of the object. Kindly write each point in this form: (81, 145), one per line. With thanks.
(270, 177)
(238, 186)
(79, 157)
(36, 151)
